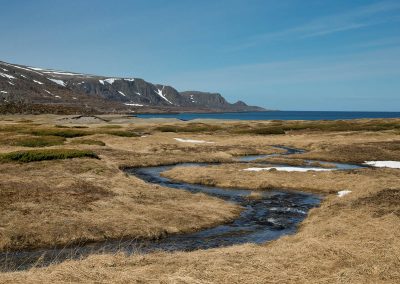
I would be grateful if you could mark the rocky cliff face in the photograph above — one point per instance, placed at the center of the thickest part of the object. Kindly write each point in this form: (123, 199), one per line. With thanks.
(35, 85)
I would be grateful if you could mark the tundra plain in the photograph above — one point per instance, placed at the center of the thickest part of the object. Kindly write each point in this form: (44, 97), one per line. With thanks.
(62, 184)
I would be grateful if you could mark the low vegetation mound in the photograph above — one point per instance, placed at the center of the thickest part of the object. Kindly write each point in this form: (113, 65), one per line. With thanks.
(43, 141)
(190, 127)
(88, 142)
(382, 203)
(121, 133)
(31, 141)
(46, 154)
(282, 127)
(66, 133)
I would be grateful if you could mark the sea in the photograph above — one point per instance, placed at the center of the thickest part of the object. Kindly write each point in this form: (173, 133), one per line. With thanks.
(275, 115)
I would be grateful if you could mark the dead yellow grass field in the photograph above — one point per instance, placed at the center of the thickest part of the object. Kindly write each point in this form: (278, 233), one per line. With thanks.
(352, 239)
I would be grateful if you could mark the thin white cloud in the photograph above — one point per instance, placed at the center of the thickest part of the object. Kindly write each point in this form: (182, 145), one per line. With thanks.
(362, 17)
(324, 69)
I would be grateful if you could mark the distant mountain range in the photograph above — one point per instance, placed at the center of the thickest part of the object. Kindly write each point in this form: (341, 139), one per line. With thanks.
(28, 88)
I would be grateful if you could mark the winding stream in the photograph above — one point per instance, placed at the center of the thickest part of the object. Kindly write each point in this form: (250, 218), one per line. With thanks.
(267, 217)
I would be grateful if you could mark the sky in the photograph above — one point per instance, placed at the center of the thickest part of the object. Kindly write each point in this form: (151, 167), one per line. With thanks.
(287, 55)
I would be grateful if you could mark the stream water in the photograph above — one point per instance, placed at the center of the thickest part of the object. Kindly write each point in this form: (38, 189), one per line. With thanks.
(267, 217)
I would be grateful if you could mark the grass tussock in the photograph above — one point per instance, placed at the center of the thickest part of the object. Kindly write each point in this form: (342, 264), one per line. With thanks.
(189, 128)
(25, 121)
(31, 141)
(120, 133)
(46, 154)
(43, 141)
(260, 131)
(111, 126)
(88, 142)
(66, 133)
(75, 126)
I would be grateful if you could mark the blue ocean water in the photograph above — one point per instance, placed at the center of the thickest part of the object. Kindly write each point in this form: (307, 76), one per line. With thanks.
(277, 115)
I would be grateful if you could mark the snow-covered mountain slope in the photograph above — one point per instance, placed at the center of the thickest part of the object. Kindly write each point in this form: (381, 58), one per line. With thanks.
(20, 83)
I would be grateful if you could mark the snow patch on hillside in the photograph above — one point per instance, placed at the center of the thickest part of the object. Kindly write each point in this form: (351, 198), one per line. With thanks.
(7, 76)
(132, 104)
(49, 92)
(159, 92)
(59, 82)
(38, 82)
(110, 80)
(121, 93)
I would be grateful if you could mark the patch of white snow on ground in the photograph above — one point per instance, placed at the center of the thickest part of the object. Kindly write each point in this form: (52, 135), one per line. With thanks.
(383, 164)
(3, 92)
(159, 92)
(192, 141)
(101, 82)
(7, 76)
(74, 98)
(111, 80)
(11, 83)
(121, 93)
(37, 82)
(58, 97)
(138, 93)
(132, 104)
(23, 76)
(343, 193)
(59, 82)
(5, 70)
(287, 169)
(129, 79)
(49, 92)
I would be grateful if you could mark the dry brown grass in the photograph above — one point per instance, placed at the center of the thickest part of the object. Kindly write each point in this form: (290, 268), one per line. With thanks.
(317, 182)
(353, 239)
(61, 202)
(358, 152)
(338, 243)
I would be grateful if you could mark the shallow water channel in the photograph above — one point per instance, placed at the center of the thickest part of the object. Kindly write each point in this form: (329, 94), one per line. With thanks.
(267, 217)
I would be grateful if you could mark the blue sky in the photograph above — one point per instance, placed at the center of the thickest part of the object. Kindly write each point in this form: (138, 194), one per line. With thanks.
(289, 55)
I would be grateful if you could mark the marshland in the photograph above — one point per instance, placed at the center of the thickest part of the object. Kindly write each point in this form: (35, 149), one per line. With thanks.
(69, 182)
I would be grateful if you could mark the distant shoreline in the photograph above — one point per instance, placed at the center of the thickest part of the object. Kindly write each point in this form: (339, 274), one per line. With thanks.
(273, 115)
